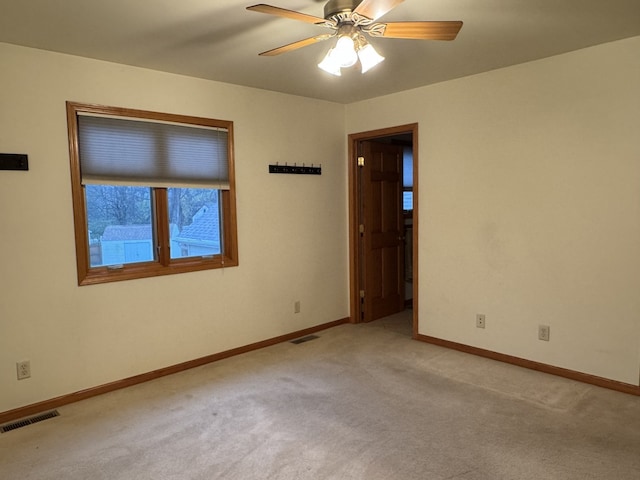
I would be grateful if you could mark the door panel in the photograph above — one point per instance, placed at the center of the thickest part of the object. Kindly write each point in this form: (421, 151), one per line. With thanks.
(382, 241)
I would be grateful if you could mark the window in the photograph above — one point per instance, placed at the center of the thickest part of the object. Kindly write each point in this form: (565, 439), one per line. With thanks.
(407, 200)
(153, 193)
(407, 179)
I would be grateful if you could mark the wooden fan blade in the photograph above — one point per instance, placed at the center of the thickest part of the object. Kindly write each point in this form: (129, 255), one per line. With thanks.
(376, 8)
(283, 12)
(295, 45)
(423, 30)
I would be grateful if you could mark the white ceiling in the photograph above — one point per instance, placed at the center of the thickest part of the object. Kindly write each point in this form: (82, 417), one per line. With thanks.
(220, 39)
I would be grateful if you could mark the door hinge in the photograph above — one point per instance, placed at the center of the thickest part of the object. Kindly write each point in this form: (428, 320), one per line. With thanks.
(361, 293)
(361, 228)
(361, 161)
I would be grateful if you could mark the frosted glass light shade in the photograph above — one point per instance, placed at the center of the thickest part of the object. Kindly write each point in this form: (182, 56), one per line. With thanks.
(369, 58)
(345, 52)
(329, 65)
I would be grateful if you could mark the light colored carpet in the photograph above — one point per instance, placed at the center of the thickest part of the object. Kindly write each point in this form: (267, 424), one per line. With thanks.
(359, 402)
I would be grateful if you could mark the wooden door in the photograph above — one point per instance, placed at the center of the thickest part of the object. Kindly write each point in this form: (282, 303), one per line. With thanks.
(381, 230)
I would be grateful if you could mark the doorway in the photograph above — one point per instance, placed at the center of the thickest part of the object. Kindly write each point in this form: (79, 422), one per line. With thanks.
(383, 223)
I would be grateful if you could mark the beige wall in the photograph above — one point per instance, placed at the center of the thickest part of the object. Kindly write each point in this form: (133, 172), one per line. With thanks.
(530, 207)
(292, 231)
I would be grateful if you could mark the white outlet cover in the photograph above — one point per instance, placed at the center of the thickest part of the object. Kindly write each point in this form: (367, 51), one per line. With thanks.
(544, 332)
(23, 369)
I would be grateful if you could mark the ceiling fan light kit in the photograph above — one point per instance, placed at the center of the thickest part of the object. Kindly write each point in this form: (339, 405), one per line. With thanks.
(350, 47)
(351, 20)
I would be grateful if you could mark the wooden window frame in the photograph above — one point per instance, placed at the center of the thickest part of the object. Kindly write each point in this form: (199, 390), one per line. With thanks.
(164, 264)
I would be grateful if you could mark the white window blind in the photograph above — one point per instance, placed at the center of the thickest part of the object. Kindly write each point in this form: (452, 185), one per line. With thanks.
(117, 151)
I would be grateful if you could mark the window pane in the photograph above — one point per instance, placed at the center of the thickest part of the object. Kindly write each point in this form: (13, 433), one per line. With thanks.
(194, 222)
(407, 167)
(119, 224)
(407, 201)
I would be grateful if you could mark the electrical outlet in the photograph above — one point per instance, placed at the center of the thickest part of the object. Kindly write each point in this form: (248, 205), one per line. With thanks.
(480, 320)
(23, 369)
(543, 332)
(296, 306)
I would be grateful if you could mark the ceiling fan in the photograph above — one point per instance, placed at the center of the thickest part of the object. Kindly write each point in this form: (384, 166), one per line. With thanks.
(350, 20)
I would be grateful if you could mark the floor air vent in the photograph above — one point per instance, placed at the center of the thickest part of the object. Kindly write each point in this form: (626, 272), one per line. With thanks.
(304, 339)
(28, 421)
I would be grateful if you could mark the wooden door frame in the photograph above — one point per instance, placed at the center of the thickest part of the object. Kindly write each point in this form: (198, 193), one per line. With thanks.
(354, 234)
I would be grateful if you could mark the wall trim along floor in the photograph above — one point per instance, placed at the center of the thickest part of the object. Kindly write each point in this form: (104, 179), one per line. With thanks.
(53, 403)
(530, 364)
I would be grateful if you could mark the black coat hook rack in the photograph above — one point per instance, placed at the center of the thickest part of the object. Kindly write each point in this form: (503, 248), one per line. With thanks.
(296, 169)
